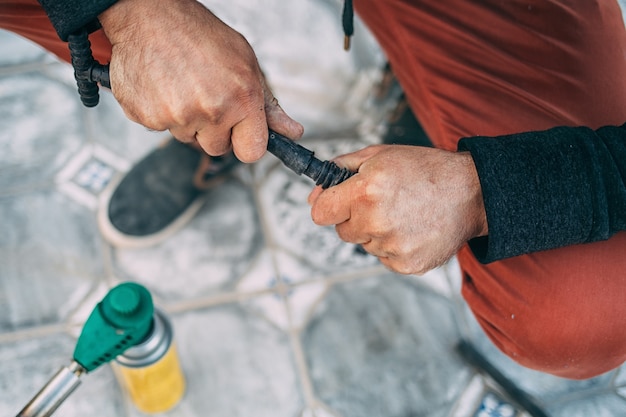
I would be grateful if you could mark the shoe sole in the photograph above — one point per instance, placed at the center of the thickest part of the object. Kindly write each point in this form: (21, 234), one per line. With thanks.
(124, 241)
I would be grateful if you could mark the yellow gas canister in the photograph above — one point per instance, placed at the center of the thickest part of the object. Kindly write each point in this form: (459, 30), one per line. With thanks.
(150, 371)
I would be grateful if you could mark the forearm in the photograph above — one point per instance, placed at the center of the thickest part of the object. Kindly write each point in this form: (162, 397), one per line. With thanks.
(544, 190)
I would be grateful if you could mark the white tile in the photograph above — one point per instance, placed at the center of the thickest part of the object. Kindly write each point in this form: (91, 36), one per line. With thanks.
(317, 412)
(40, 130)
(469, 400)
(50, 254)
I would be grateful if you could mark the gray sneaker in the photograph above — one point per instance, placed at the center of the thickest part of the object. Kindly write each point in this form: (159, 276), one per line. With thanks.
(160, 194)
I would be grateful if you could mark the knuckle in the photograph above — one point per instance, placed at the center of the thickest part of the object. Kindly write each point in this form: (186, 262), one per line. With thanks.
(403, 248)
(214, 147)
(343, 233)
(150, 120)
(157, 124)
(403, 269)
(317, 214)
(250, 94)
(372, 189)
(378, 226)
(378, 230)
(213, 113)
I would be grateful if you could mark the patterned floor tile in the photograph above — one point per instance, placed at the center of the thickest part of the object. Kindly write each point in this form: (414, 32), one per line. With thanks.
(282, 274)
(494, 405)
(49, 251)
(85, 177)
(383, 347)
(109, 128)
(295, 270)
(317, 412)
(302, 301)
(235, 364)
(620, 381)
(94, 175)
(39, 130)
(207, 256)
(261, 276)
(437, 280)
(596, 404)
(272, 307)
(470, 399)
(306, 287)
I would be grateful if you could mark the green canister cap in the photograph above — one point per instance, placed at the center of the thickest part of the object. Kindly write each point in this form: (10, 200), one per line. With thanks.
(121, 320)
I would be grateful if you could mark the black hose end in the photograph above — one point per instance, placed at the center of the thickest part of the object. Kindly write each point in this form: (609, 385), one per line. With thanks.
(347, 19)
(83, 62)
(331, 174)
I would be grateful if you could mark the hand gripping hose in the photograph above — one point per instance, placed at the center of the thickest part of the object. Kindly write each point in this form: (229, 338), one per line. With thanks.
(88, 73)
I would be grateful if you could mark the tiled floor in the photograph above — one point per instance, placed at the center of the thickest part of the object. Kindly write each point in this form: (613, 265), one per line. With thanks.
(273, 315)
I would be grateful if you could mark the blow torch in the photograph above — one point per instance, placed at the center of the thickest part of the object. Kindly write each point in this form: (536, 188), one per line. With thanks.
(123, 319)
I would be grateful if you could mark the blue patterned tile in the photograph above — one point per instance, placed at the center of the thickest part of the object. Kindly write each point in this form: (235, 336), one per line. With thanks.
(94, 176)
(87, 174)
(493, 405)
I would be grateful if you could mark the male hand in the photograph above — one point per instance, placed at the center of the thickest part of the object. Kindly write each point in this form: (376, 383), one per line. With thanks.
(412, 207)
(176, 66)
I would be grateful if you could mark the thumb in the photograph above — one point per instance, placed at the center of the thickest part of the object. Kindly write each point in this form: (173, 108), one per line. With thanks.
(278, 120)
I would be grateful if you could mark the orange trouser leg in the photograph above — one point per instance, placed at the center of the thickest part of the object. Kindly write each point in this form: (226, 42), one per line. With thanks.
(28, 19)
(494, 67)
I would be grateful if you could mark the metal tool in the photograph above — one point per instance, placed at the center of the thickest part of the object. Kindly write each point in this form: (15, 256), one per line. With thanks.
(473, 357)
(89, 72)
(52, 395)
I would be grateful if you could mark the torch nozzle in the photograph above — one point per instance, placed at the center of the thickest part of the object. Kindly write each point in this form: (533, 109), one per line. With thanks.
(60, 386)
